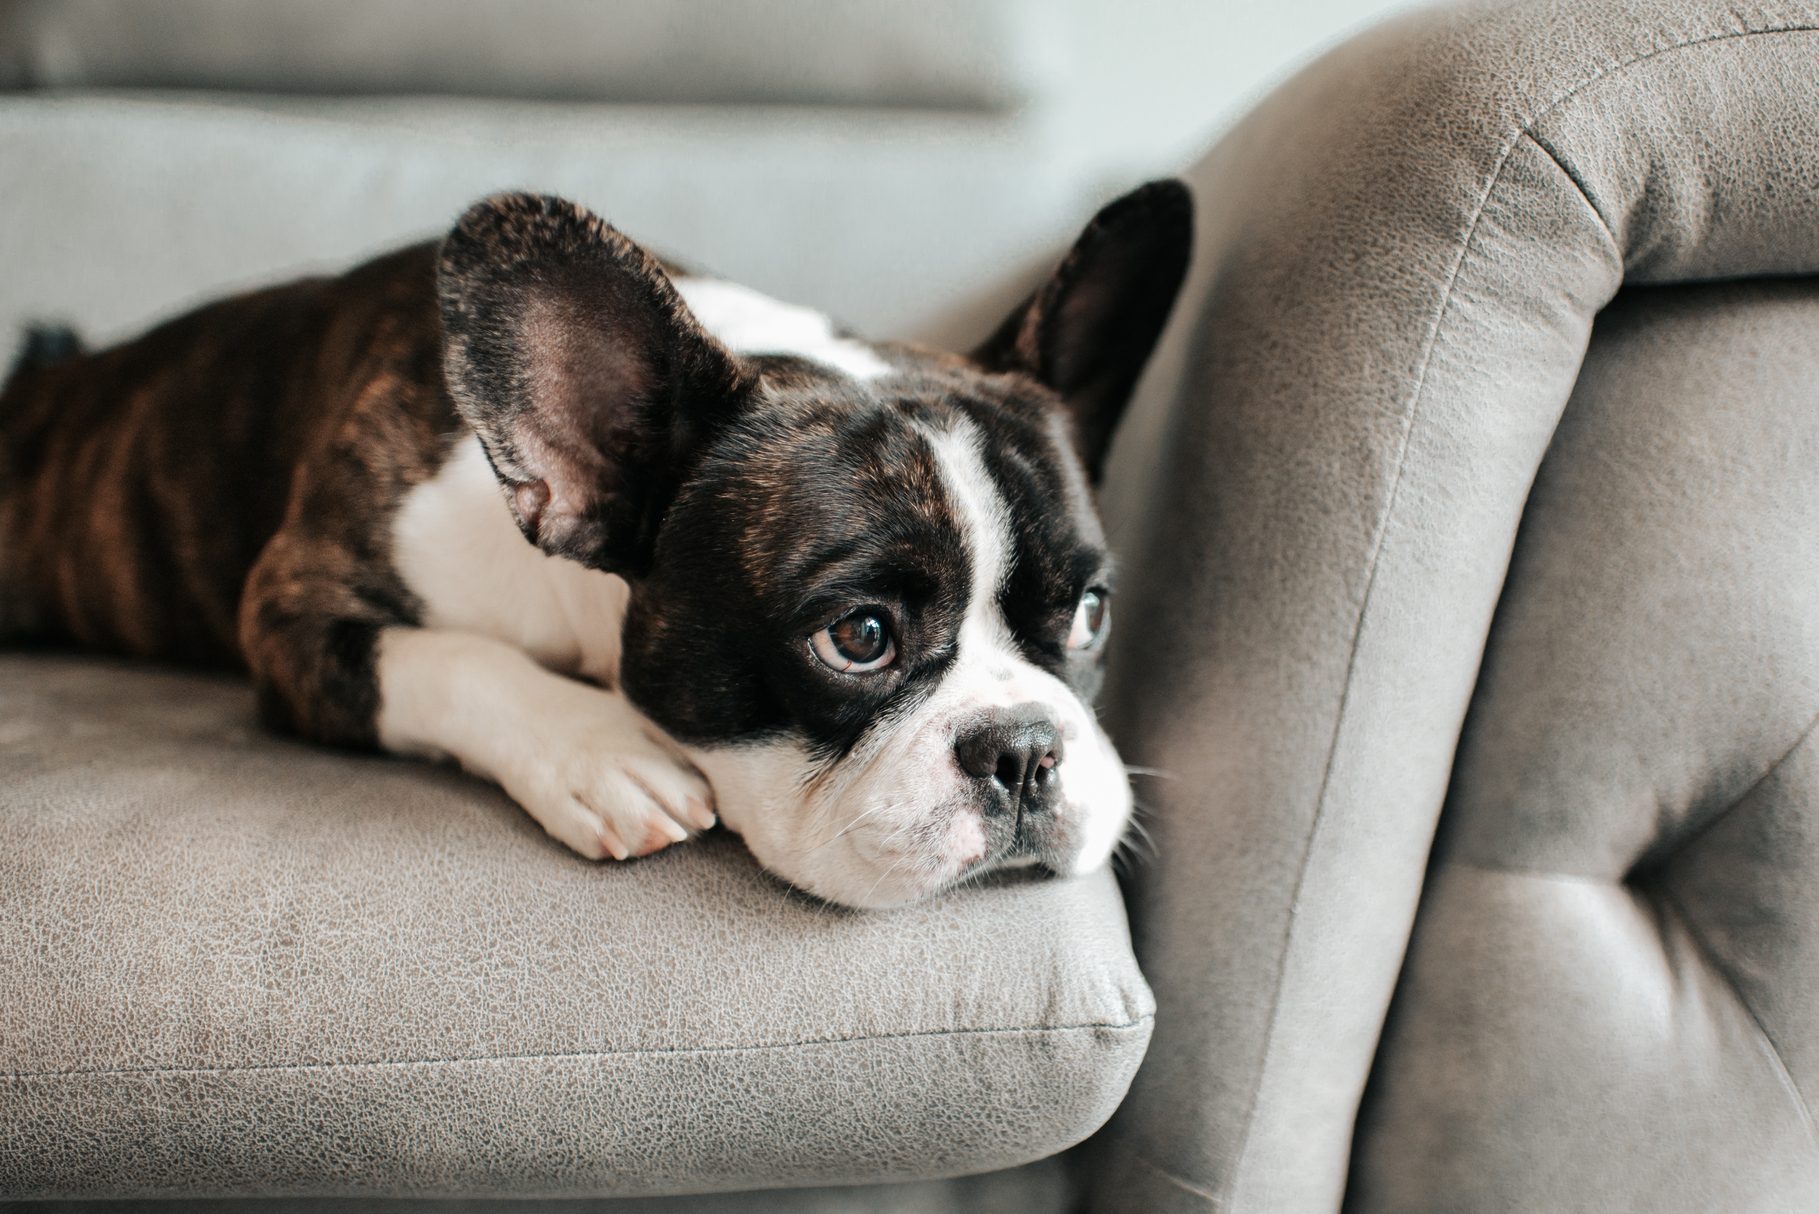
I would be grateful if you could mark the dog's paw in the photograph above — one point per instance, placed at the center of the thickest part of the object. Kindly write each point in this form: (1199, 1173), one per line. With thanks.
(605, 781)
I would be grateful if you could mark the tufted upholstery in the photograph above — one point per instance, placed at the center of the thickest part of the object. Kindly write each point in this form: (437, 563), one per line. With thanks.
(1608, 1001)
(1612, 1000)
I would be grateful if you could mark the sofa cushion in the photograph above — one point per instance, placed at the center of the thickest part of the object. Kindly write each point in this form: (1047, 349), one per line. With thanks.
(1044, 1187)
(235, 964)
(949, 53)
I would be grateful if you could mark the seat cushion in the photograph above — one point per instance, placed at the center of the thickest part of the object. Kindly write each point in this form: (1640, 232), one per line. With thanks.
(1612, 996)
(236, 964)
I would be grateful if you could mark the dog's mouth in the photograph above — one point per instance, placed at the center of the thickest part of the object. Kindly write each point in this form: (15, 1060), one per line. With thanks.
(1023, 849)
(976, 872)
(896, 873)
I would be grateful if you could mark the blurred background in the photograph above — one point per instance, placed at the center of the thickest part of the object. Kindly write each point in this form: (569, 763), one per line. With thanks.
(904, 165)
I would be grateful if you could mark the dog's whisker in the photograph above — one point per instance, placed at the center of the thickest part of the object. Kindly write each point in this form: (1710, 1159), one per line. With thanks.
(882, 877)
(847, 829)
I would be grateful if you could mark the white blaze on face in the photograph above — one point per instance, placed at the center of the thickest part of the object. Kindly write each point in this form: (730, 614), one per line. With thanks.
(896, 818)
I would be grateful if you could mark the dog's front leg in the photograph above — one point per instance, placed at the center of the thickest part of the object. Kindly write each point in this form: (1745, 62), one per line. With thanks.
(584, 762)
(342, 666)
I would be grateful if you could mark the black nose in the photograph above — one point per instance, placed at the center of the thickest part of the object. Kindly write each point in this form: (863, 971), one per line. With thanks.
(1015, 752)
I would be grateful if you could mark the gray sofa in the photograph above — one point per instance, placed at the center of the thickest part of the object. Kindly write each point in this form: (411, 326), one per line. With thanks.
(1471, 617)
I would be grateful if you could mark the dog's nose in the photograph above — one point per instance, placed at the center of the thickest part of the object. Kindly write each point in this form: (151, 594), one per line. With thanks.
(1015, 752)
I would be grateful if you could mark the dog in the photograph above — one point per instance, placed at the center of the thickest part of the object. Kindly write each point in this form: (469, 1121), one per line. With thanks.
(645, 548)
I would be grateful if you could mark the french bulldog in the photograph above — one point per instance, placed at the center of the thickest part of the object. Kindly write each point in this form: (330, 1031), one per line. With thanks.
(636, 544)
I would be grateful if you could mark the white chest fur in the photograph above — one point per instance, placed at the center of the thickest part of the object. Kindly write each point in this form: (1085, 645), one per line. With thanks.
(455, 545)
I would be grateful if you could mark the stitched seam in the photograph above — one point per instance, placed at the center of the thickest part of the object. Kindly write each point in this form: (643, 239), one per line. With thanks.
(1432, 341)
(1647, 867)
(1670, 903)
(1186, 1186)
(581, 1055)
(1585, 193)
(1320, 803)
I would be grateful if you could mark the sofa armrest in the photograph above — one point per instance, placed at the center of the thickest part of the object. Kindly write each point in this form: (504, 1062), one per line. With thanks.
(1403, 251)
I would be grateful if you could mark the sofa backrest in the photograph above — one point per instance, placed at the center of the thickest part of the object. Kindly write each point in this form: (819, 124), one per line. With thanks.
(950, 54)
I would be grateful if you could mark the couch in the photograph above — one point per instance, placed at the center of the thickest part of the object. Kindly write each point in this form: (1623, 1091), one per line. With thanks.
(1468, 651)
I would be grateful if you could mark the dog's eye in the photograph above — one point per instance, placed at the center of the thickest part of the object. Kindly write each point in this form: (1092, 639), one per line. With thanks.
(856, 643)
(1092, 620)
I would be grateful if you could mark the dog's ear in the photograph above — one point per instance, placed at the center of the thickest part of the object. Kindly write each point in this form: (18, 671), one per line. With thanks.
(1088, 330)
(582, 371)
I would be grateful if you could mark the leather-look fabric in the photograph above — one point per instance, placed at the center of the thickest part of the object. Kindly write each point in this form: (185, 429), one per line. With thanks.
(1403, 253)
(233, 964)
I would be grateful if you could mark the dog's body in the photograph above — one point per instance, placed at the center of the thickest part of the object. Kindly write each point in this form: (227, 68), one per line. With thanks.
(852, 593)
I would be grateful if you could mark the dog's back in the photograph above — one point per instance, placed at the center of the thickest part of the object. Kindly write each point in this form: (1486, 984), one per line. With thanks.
(138, 484)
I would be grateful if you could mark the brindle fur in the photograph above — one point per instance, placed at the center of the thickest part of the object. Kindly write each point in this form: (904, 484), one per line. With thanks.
(218, 490)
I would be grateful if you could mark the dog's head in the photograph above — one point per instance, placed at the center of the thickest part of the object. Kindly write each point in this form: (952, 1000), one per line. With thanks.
(870, 591)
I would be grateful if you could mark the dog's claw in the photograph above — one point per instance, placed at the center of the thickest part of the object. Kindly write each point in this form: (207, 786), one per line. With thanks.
(615, 847)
